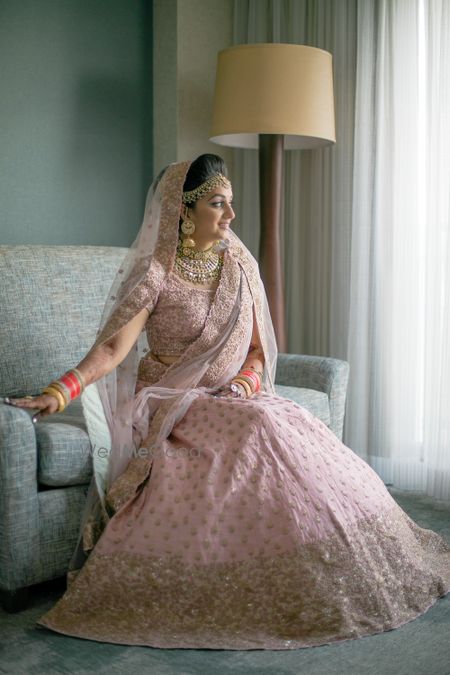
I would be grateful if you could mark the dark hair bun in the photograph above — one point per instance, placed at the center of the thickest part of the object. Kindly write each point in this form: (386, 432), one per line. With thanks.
(203, 168)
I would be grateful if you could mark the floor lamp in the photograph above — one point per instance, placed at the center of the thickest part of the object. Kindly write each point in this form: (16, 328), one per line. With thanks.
(273, 97)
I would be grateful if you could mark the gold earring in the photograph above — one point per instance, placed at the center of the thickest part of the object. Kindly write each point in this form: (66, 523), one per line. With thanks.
(188, 228)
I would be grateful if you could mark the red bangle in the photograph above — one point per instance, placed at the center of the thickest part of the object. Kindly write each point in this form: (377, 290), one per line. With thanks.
(72, 384)
(253, 376)
(251, 372)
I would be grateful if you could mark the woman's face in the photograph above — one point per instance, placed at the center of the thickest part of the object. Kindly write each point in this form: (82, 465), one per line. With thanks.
(211, 215)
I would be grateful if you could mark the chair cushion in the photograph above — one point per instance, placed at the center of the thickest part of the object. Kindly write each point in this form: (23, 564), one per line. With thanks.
(64, 448)
(317, 402)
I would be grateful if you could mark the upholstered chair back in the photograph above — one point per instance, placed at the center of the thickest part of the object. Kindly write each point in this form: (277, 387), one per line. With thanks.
(51, 301)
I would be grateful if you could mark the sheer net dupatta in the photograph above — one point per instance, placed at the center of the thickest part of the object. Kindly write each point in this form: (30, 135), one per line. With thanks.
(106, 403)
(266, 331)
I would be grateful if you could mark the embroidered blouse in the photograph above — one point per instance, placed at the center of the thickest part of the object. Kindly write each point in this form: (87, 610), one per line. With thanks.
(178, 317)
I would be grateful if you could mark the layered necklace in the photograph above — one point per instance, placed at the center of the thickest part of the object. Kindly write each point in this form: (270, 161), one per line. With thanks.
(199, 267)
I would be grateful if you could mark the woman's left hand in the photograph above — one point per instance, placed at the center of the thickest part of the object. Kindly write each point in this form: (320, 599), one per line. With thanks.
(225, 391)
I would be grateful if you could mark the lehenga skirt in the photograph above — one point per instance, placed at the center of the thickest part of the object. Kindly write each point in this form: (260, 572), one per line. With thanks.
(252, 527)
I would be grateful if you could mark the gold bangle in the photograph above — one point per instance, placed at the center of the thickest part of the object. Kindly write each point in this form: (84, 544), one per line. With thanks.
(248, 380)
(55, 390)
(246, 386)
(52, 391)
(56, 384)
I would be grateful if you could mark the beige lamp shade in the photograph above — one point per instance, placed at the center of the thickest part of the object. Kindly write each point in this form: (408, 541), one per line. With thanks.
(273, 89)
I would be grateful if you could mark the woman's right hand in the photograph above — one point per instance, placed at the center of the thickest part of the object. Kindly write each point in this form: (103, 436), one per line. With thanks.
(45, 404)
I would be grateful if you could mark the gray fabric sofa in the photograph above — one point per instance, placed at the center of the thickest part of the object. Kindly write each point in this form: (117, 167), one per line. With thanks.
(51, 299)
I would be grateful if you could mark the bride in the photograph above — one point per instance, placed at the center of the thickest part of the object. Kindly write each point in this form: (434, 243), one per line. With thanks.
(220, 515)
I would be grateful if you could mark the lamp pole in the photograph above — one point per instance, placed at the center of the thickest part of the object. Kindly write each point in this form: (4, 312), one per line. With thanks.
(270, 195)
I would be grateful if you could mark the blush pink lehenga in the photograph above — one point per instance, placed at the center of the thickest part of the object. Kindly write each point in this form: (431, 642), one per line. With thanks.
(250, 527)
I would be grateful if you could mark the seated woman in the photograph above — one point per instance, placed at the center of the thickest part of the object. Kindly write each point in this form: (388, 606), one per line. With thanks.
(231, 517)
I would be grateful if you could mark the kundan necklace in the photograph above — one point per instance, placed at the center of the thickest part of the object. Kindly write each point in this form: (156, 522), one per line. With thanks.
(198, 267)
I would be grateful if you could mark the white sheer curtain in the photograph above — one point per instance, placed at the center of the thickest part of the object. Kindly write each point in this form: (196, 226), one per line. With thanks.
(399, 399)
(367, 223)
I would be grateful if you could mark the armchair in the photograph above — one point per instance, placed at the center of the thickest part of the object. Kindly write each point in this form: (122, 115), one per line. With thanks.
(51, 299)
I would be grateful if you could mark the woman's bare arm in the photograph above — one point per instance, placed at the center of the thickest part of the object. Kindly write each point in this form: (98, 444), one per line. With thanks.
(102, 359)
(99, 361)
(254, 359)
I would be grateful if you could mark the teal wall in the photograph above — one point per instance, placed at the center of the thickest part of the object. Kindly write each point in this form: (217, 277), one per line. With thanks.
(75, 120)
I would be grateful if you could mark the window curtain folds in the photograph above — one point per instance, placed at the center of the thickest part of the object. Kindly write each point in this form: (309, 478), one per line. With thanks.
(367, 223)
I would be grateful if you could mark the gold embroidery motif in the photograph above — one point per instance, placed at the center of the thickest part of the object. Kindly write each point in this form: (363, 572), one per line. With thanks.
(320, 593)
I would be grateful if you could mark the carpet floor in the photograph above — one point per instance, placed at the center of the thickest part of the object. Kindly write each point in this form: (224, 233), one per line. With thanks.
(421, 647)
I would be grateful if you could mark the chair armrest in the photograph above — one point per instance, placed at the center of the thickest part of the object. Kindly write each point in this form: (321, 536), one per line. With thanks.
(19, 512)
(321, 373)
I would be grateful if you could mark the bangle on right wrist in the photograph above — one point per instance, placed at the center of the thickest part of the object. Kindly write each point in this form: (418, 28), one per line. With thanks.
(56, 393)
(66, 388)
(247, 387)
